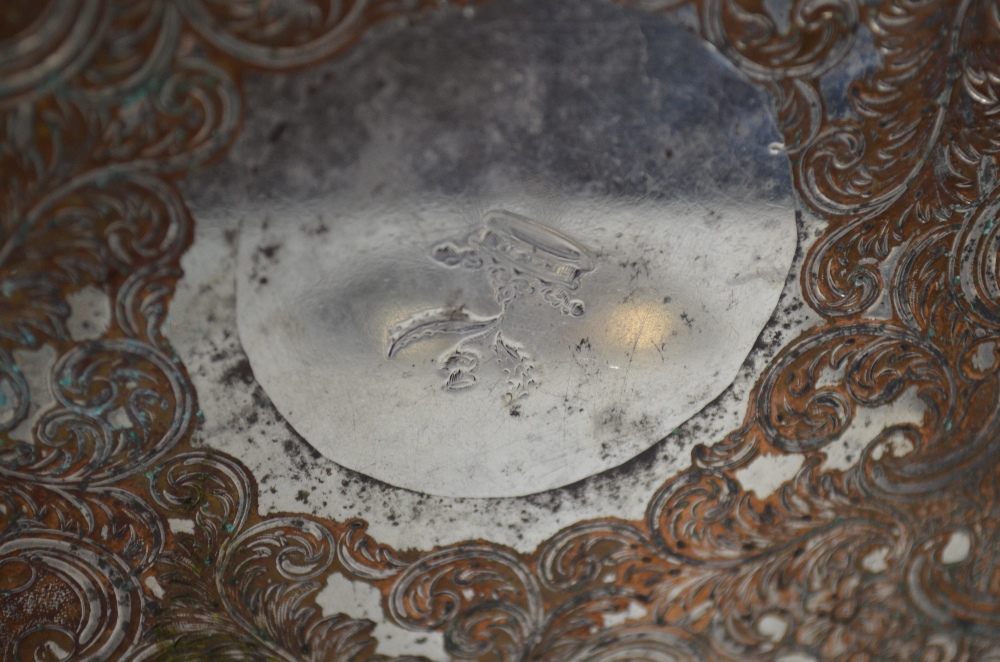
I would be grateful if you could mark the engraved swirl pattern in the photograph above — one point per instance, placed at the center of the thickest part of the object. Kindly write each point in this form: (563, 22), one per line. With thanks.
(105, 106)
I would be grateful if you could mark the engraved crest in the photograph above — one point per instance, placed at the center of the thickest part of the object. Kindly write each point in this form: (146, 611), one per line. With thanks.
(521, 258)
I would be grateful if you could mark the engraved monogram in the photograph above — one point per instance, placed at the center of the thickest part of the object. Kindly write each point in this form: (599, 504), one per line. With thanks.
(521, 257)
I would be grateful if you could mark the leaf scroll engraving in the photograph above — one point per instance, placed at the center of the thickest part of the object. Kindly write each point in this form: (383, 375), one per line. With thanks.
(861, 564)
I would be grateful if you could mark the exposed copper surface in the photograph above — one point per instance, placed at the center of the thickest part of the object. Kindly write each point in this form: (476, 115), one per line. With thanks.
(116, 102)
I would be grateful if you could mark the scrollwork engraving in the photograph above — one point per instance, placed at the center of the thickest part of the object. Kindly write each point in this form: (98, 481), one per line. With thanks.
(106, 105)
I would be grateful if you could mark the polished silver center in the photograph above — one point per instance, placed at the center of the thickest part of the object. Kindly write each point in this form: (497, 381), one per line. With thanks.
(494, 254)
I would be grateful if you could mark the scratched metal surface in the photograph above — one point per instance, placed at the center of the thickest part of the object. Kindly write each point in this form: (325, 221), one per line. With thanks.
(231, 229)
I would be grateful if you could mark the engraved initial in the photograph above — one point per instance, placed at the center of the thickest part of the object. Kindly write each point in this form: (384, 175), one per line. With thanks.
(521, 257)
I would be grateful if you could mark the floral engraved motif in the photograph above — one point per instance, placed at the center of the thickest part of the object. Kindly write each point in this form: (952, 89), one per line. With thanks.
(521, 257)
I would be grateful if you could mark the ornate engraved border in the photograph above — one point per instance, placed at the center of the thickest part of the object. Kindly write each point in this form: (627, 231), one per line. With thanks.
(105, 105)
